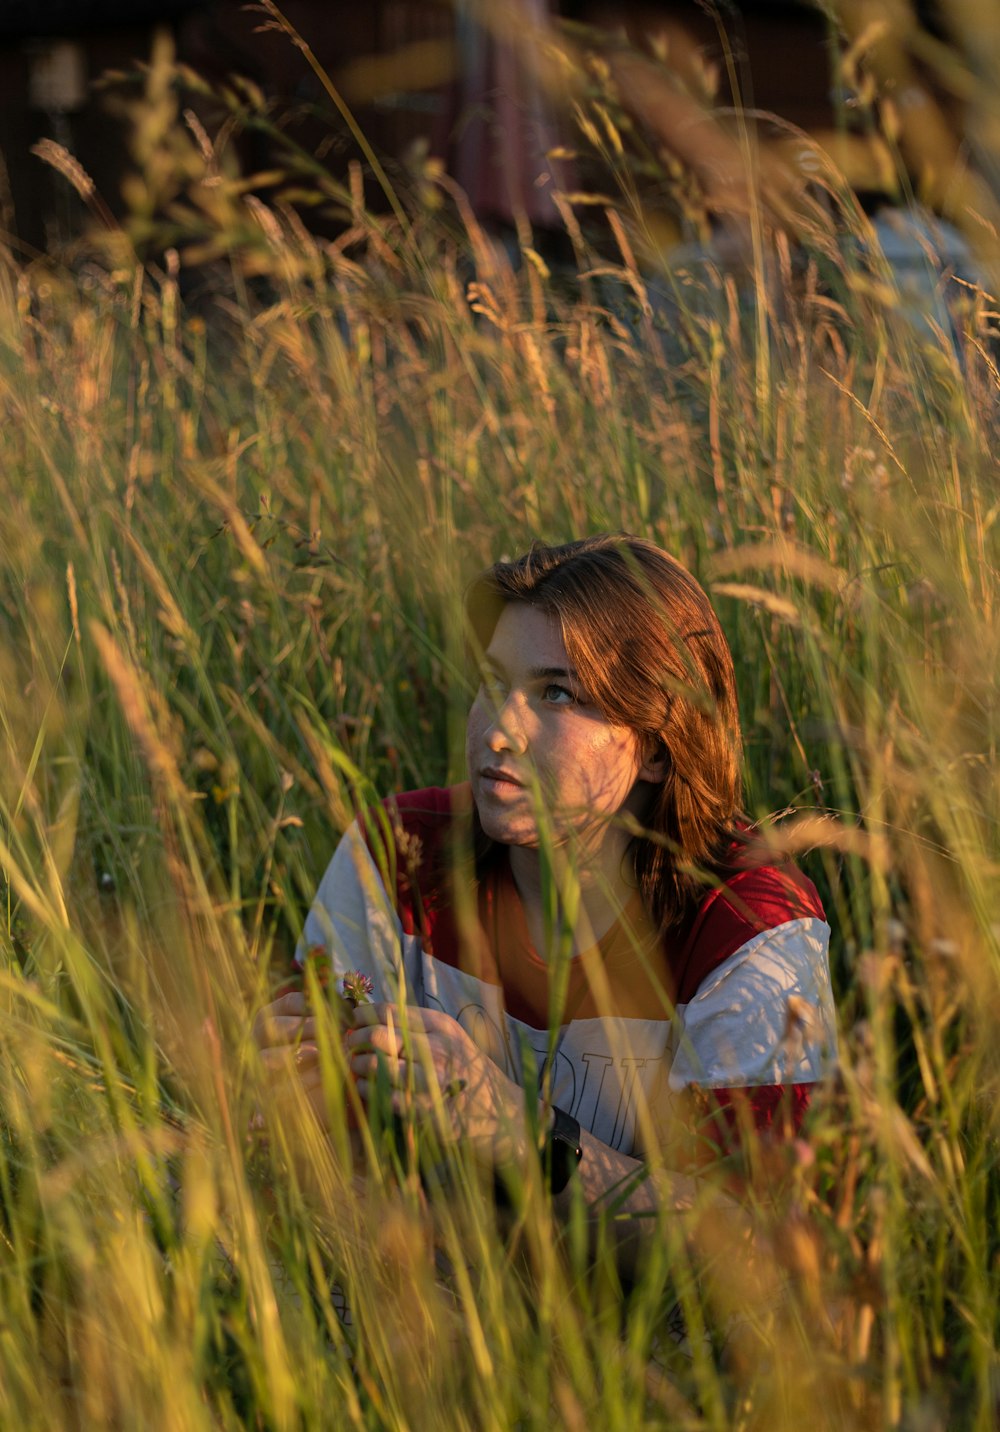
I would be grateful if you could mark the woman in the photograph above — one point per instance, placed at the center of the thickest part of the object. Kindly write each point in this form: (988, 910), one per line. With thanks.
(585, 917)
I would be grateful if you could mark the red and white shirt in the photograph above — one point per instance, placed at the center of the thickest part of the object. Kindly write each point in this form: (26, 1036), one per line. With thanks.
(737, 999)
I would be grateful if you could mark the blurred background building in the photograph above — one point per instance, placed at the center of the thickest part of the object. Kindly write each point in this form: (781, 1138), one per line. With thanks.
(466, 80)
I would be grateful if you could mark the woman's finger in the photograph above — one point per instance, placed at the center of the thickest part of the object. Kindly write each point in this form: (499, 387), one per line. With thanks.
(387, 1039)
(364, 1066)
(400, 1101)
(403, 1073)
(406, 1075)
(282, 1028)
(286, 1059)
(271, 1029)
(311, 1077)
(294, 1002)
(366, 1016)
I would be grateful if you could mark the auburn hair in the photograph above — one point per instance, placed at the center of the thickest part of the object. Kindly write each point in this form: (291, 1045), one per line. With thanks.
(650, 653)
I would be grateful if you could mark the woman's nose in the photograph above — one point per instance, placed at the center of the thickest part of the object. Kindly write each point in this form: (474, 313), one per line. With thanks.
(507, 729)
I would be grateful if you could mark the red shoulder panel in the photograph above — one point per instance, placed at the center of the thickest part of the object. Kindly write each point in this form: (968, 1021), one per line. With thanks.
(723, 1118)
(410, 839)
(751, 901)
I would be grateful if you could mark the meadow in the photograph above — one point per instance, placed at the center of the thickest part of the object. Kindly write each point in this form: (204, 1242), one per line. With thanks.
(245, 475)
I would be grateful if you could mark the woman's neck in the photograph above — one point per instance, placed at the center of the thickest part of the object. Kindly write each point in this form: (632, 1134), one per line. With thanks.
(590, 897)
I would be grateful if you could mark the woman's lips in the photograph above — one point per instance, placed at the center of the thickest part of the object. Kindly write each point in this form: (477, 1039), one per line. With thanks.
(497, 781)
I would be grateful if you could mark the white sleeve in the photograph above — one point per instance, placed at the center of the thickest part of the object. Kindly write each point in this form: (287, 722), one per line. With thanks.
(764, 1016)
(355, 921)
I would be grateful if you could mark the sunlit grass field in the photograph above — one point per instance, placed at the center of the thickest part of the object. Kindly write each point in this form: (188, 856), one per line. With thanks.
(237, 513)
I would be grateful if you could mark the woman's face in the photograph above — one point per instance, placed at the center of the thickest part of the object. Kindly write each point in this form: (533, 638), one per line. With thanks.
(532, 721)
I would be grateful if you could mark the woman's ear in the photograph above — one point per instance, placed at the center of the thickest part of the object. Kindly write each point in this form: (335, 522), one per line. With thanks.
(655, 762)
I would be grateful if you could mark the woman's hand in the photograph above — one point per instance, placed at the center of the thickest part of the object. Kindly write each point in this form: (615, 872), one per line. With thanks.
(285, 1033)
(436, 1072)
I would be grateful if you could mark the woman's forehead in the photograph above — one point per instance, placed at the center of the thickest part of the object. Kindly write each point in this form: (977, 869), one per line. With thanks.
(529, 636)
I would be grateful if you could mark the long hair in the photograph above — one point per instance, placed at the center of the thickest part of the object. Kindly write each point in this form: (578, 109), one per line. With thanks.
(651, 655)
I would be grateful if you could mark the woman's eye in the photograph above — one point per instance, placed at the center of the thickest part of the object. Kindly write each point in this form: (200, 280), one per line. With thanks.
(559, 695)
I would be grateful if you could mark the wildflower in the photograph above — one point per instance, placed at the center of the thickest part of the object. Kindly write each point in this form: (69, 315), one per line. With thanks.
(357, 988)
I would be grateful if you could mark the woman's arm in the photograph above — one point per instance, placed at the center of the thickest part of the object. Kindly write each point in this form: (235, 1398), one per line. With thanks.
(437, 1073)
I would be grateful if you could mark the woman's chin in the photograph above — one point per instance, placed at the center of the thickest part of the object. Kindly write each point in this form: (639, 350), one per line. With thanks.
(508, 832)
(506, 827)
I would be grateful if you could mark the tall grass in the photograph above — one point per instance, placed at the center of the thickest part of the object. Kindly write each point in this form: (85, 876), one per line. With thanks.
(235, 534)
